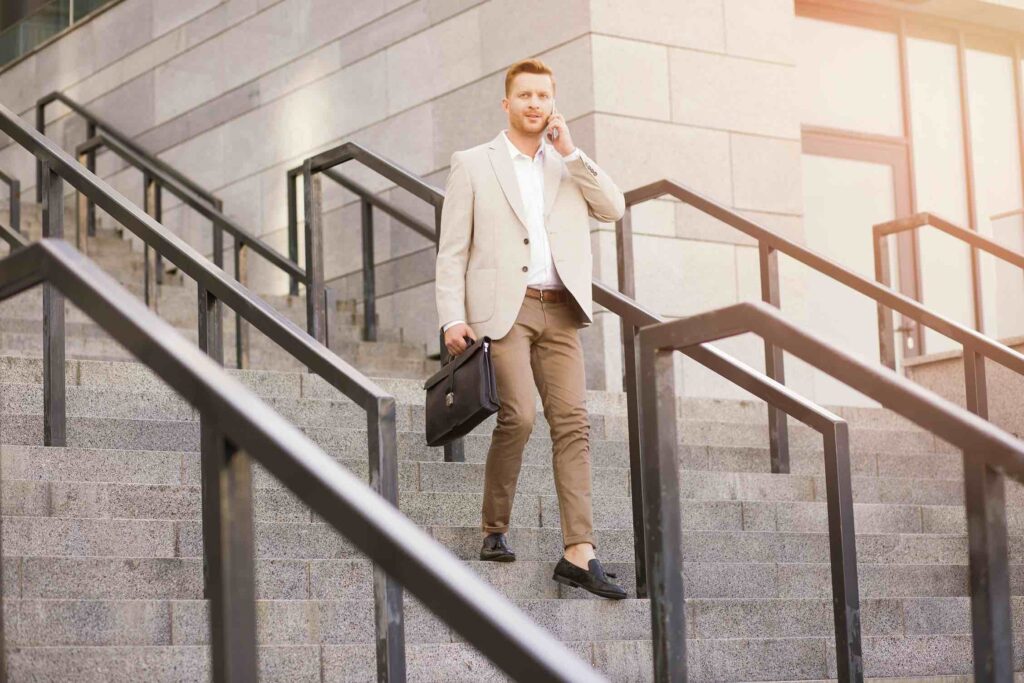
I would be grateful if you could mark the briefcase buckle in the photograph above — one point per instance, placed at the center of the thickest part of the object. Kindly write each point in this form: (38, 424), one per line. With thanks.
(449, 398)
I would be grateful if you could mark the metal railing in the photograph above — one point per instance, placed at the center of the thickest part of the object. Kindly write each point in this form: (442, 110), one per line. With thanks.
(989, 454)
(634, 316)
(214, 287)
(983, 499)
(880, 243)
(155, 180)
(13, 238)
(14, 200)
(243, 429)
(657, 469)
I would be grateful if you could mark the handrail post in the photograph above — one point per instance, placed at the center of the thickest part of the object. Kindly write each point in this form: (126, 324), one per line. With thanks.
(454, 451)
(843, 554)
(985, 503)
(90, 163)
(149, 261)
(663, 518)
(778, 431)
(886, 329)
(228, 530)
(15, 212)
(293, 230)
(81, 211)
(313, 196)
(54, 388)
(369, 277)
(241, 327)
(218, 239)
(630, 382)
(387, 592)
(41, 127)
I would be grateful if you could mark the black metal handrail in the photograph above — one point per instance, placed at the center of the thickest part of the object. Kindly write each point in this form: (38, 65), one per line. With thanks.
(662, 537)
(214, 287)
(988, 557)
(247, 429)
(12, 237)
(94, 123)
(243, 240)
(14, 199)
(989, 453)
(880, 243)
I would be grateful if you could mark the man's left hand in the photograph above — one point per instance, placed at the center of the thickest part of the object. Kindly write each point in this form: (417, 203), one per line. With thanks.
(563, 143)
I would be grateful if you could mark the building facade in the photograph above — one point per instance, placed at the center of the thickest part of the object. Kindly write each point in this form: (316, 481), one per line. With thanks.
(817, 119)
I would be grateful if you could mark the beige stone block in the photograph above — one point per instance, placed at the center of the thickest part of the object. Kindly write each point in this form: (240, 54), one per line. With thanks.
(766, 174)
(630, 78)
(191, 78)
(693, 224)
(201, 158)
(677, 277)
(468, 116)
(131, 22)
(761, 29)
(389, 29)
(518, 29)
(434, 61)
(67, 60)
(731, 93)
(301, 72)
(748, 274)
(636, 152)
(682, 23)
(145, 59)
(170, 14)
(331, 19)
(655, 217)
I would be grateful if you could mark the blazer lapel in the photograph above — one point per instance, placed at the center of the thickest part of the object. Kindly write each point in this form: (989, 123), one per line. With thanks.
(552, 177)
(497, 151)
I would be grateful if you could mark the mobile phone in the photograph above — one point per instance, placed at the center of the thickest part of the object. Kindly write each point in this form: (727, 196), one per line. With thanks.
(552, 133)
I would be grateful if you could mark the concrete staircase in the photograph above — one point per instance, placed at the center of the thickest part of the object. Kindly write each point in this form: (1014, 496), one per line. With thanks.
(102, 545)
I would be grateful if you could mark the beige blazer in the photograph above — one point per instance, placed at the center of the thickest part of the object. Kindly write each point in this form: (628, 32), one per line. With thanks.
(482, 253)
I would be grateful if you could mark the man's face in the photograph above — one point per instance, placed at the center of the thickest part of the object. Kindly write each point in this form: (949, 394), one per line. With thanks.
(529, 103)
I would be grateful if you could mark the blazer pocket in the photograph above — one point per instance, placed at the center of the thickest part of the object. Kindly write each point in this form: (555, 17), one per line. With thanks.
(480, 292)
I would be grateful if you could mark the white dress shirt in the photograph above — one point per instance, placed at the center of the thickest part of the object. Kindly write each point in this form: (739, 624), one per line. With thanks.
(530, 178)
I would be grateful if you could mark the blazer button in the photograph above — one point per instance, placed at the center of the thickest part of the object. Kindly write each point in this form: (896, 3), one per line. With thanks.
(526, 240)
(525, 269)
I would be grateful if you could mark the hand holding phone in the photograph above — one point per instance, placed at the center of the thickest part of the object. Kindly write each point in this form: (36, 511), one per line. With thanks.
(552, 133)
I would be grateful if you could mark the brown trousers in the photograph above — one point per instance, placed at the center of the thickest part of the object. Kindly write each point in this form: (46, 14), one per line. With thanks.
(544, 338)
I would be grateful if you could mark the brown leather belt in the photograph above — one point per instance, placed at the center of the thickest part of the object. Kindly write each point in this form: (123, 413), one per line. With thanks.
(548, 296)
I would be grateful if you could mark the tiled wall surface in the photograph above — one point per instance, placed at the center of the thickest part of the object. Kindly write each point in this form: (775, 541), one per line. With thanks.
(233, 93)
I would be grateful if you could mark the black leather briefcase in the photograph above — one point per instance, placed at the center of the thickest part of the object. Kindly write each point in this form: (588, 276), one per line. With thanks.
(462, 394)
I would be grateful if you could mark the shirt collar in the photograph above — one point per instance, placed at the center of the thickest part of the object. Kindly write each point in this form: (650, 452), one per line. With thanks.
(513, 150)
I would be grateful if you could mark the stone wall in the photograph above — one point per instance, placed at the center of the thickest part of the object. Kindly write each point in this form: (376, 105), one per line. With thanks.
(234, 93)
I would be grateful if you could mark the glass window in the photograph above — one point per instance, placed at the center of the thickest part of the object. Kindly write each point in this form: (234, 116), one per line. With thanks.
(849, 77)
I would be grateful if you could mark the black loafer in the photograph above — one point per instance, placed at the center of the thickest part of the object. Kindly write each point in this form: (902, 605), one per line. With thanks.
(596, 580)
(495, 549)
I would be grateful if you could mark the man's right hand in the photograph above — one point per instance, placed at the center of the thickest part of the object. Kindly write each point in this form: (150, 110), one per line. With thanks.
(453, 338)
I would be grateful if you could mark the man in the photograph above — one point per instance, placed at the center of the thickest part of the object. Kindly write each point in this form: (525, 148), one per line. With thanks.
(514, 264)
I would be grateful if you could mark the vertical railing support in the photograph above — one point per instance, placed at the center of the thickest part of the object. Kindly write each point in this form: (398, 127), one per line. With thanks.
(241, 327)
(313, 200)
(90, 163)
(454, 451)
(387, 592)
(843, 554)
(14, 197)
(41, 127)
(369, 277)
(151, 294)
(886, 329)
(54, 389)
(228, 533)
(778, 431)
(630, 384)
(662, 518)
(985, 503)
(293, 229)
(81, 216)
